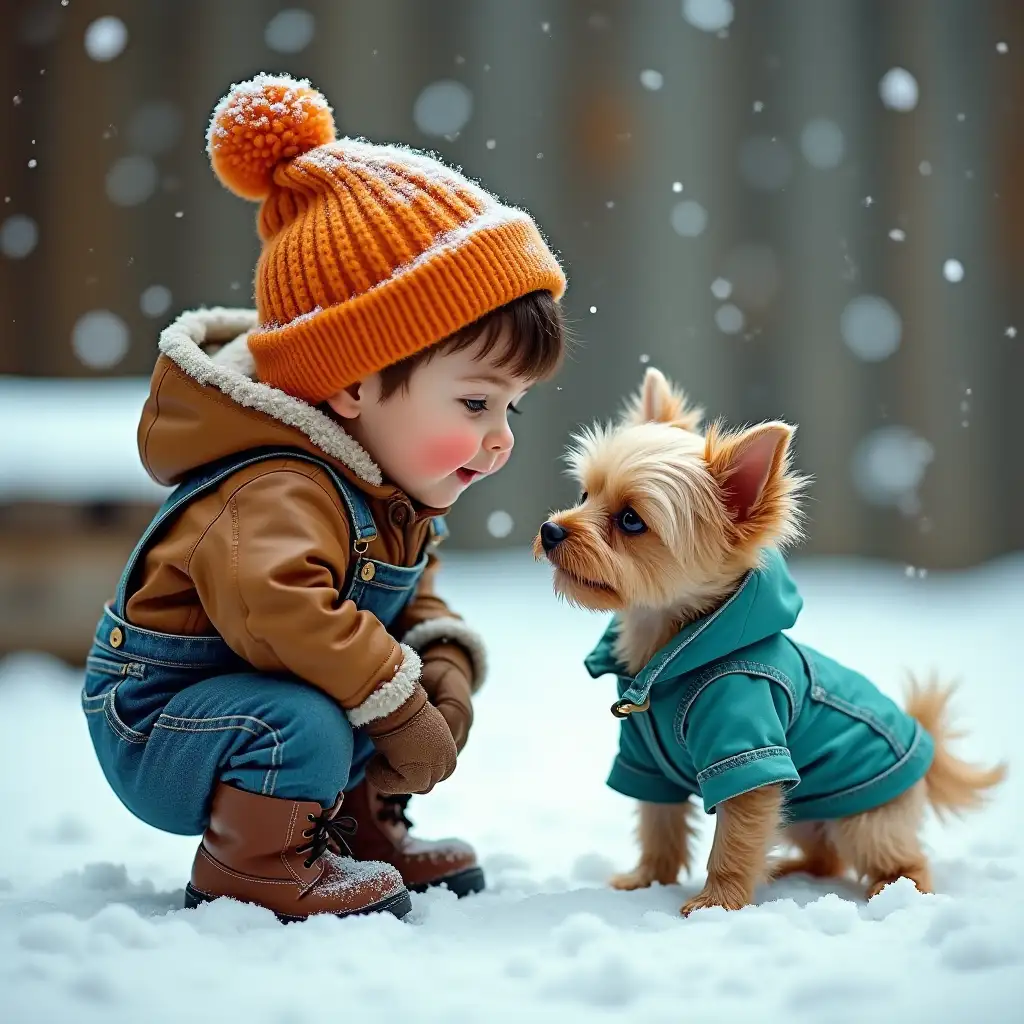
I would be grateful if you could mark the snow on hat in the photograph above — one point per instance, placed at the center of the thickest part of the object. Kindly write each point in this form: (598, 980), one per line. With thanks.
(371, 253)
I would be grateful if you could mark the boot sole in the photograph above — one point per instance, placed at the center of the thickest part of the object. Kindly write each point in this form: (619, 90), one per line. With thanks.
(462, 883)
(399, 905)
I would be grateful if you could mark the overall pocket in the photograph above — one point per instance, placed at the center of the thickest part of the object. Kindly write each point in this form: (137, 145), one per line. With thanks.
(104, 678)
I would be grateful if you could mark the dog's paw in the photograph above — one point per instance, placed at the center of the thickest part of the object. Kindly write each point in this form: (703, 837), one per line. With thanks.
(726, 897)
(641, 877)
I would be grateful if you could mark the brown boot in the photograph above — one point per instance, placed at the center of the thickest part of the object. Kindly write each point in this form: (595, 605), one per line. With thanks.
(382, 833)
(284, 855)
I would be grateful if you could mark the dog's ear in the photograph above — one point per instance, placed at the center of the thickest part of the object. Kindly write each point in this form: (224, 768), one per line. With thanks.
(659, 402)
(751, 467)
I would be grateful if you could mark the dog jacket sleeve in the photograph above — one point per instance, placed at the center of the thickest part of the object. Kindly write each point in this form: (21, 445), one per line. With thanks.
(734, 730)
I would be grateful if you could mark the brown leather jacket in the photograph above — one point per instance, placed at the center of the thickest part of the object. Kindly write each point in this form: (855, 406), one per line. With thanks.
(261, 558)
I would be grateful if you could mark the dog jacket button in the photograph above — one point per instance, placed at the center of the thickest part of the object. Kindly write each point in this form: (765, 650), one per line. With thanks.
(368, 571)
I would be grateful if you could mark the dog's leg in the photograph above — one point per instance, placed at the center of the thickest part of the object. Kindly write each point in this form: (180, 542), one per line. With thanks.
(746, 830)
(664, 832)
(884, 844)
(817, 858)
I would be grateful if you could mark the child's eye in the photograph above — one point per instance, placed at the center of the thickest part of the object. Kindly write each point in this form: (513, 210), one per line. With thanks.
(475, 404)
(516, 410)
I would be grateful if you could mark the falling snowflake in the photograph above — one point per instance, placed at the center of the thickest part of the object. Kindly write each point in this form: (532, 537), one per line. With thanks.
(651, 79)
(499, 524)
(443, 108)
(729, 319)
(677, 186)
(898, 235)
(822, 143)
(100, 339)
(953, 271)
(19, 235)
(889, 465)
(721, 288)
(871, 328)
(689, 218)
(898, 89)
(290, 31)
(155, 301)
(106, 38)
(709, 15)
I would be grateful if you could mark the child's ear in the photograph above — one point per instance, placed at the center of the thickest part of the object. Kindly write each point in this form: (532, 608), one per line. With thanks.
(659, 402)
(348, 403)
(751, 467)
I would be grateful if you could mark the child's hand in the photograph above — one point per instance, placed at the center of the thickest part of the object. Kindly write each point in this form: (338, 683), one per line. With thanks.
(445, 677)
(415, 749)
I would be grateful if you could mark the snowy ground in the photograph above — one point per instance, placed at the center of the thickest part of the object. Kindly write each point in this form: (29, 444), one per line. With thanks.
(90, 928)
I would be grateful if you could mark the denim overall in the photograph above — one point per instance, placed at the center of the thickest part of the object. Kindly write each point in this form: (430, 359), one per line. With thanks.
(171, 716)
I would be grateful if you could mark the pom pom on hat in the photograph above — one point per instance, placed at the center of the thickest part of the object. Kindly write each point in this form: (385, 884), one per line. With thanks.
(259, 124)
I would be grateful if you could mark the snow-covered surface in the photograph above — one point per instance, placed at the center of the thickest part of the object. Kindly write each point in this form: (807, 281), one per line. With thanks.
(90, 928)
(72, 440)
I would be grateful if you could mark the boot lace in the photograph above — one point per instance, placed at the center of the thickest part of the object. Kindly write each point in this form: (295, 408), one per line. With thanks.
(326, 833)
(393, 809)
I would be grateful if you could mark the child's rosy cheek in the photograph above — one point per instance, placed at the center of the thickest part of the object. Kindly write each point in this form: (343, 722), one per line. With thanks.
(445, 454)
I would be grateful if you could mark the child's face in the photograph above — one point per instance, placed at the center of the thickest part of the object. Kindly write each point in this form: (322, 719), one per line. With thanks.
(447, 429)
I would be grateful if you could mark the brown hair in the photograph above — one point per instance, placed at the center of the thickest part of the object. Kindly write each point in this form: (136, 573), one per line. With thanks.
(537, 342)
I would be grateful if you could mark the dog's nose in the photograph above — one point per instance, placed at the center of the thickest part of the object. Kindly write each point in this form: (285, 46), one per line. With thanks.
(551, 535)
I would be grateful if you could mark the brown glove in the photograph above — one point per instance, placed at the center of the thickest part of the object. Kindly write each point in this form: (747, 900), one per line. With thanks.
(447, 677)
(415, 749)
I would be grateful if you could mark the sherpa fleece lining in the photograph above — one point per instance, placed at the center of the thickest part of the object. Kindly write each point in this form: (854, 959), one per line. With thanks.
(390, 695)
(446, 627)
(232, 371)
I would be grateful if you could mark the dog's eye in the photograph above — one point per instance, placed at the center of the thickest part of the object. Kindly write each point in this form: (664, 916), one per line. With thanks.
(582, 498)
(630, 522)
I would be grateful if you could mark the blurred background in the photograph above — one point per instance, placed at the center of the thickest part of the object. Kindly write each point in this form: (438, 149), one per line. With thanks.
(800, 209)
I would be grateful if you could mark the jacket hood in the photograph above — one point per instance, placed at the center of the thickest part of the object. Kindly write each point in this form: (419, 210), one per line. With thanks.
(205, 404)
(765, 603)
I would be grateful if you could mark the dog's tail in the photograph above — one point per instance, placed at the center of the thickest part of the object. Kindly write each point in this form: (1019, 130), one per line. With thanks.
(953, 786)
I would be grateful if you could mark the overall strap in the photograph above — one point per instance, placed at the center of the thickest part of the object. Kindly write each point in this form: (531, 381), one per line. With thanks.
(438, 529)
(209, 477)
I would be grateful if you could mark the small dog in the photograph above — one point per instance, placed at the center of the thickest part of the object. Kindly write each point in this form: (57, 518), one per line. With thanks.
(678, 531)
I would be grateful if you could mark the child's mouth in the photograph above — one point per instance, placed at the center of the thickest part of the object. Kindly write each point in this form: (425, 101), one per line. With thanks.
(467, 476)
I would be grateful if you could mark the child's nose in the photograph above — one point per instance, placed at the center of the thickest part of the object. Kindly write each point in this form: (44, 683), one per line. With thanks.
(500, 439)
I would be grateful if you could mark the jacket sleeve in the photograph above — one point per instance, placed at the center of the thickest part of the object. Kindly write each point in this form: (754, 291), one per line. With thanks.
(427, 620)
(270, 571)
(735, 732)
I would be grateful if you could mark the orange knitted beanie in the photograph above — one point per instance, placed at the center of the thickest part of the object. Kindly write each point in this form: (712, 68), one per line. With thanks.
(371, 253)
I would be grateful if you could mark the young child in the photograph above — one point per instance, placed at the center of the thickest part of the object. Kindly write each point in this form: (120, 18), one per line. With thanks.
(275, 646)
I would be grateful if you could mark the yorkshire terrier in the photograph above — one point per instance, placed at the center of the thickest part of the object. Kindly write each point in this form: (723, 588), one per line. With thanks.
(678, 531)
